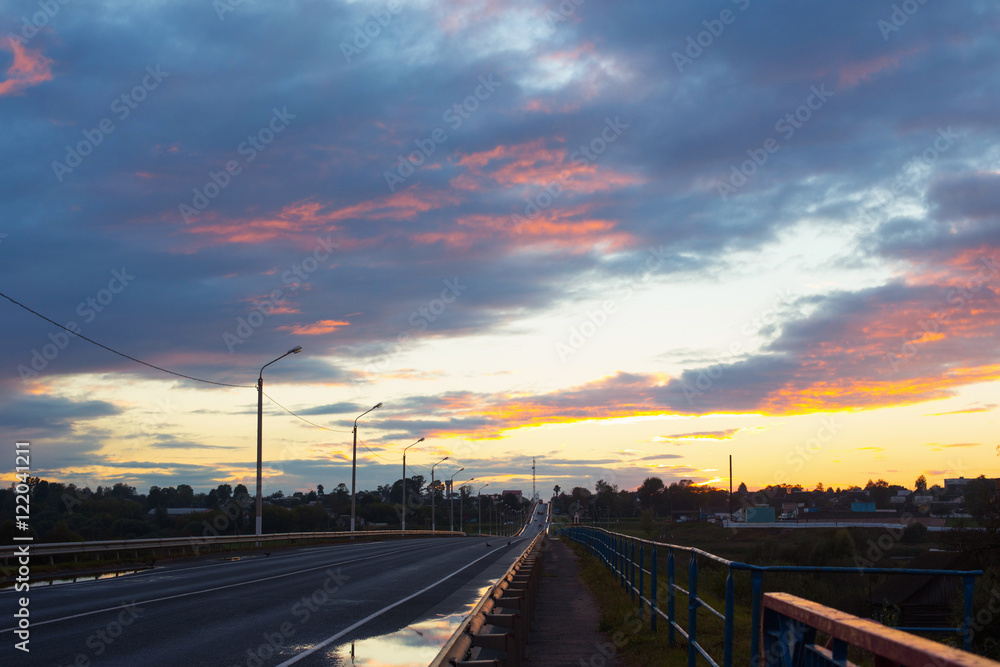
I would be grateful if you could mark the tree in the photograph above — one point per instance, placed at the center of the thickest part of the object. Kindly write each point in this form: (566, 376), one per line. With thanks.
(651, 488)
(556, 490)
(880, 493)
(185, 495)
(921, 484)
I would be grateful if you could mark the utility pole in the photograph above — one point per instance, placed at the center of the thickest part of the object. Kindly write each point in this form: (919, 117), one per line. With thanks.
(730, 489)
(532, 477)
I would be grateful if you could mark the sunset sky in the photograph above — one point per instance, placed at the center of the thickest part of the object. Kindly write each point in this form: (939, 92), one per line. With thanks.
(628, 239)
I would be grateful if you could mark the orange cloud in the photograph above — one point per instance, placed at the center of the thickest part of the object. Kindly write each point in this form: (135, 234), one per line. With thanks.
(311, 217)
(29, 68)
(852, 73)
(535, 164)
(316, 328)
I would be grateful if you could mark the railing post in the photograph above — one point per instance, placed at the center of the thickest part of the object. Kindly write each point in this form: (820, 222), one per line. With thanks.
(624, 561)
(756, 629)
(692, 611)
(969, 588)
(727, 659)
(642, 560)
(670, 598)
(622, 558)
(652, 591)
(631, 569)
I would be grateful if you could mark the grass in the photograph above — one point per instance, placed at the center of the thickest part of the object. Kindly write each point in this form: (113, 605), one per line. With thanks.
(760, 546)
(636, 645)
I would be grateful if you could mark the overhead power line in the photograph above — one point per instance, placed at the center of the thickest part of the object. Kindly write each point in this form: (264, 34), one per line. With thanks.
(122, 354)
(303, 418)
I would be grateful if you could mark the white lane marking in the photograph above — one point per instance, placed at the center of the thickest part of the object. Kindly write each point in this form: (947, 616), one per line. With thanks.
(378, 613)
(209, 590)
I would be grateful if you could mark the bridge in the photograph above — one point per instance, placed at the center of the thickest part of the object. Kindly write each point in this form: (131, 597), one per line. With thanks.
(433, 598)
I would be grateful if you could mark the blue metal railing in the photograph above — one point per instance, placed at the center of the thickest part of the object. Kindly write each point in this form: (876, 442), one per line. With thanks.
(618, 553)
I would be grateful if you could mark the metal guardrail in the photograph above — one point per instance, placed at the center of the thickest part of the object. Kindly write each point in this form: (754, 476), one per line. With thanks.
(791, 624)
(198, 543)
(618, 552)
(508, 606)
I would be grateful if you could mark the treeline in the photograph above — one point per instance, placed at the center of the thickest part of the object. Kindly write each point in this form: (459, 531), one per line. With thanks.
(685, 497)
(67, 513)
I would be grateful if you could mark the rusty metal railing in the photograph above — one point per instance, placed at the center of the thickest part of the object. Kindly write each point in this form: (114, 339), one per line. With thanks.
(791, 625)
(626, 557)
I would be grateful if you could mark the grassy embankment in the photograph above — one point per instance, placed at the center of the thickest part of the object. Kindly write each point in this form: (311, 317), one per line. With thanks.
(757, 546)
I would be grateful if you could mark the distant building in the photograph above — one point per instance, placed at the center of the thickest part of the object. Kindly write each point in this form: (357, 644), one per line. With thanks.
(760, 515)
(862, 507)
(516, 493)
(957, 484)
(179, 511)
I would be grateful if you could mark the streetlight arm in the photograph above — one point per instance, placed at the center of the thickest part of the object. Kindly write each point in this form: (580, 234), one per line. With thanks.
(366, 412)
(294, 350)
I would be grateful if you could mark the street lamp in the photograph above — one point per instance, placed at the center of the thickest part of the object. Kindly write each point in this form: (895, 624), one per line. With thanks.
(451, 501)
(460, 499)
(433, 493)
(354, 465)
(260, 435)
(404, 482)
(479, 503)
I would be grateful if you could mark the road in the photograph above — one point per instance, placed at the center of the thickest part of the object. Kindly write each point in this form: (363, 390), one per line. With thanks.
(306, 606)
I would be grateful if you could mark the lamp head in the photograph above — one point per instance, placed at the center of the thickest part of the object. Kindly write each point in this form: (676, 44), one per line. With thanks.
(295, 350)
(420, 440)
(377, 406)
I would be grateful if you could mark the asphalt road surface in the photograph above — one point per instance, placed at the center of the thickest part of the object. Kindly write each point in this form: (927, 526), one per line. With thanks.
(387, 603)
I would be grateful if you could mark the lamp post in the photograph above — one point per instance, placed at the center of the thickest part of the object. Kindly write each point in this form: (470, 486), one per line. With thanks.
(479, 503)
(260, 435)
(404, 482)
(354, 465)
(434, 493)
(461, 498)
(451, 501)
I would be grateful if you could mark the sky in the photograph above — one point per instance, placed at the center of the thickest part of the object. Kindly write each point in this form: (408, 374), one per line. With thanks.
(622, 240)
